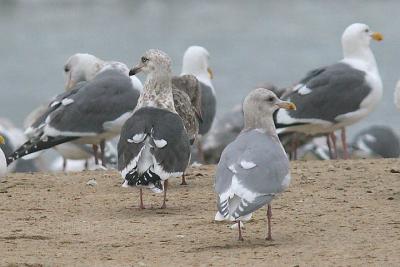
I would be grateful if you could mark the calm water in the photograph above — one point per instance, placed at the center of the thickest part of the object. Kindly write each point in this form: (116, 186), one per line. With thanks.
(250, 42)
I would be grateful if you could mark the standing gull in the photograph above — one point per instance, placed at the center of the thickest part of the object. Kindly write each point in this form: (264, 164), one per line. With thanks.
(83, 67)
(338, 95)
(154, 144)
(195, 62)
(187, 101)
(93, 112)
(254, 168)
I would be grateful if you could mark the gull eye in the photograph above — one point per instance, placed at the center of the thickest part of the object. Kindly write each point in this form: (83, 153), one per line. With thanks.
(366, 30)
(145, 59)
(270, 99)
(66, 68)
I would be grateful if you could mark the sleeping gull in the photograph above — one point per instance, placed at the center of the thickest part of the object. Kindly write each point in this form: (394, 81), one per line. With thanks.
(338, 95)
(195, 62)
(187, 102)
(254, 168)
(3, 162)
(153, 145)
(92, 112)
(376, 142)
(83, 67)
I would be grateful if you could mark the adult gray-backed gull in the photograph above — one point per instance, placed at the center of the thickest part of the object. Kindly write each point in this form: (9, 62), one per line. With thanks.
(82, 67)
(153, 145)
(336, 96)
(376, 142)
(196, 62)
(93, 111)
(254, 168)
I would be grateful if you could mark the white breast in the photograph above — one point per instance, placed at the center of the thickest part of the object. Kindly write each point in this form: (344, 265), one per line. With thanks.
(3, 164)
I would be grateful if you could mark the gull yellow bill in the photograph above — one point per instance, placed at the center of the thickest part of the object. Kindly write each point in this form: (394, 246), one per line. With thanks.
(286, 105)
(377, 36)
(210, 72)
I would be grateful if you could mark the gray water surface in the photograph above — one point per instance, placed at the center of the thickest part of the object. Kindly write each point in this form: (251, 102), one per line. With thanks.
(250, 42)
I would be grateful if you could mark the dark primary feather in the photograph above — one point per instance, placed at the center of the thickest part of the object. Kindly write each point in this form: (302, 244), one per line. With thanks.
(35, 145)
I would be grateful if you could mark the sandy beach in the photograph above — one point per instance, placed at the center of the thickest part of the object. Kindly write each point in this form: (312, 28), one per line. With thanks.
(335, 213)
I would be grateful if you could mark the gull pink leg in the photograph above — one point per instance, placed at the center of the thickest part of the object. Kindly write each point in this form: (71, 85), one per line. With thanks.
(333, 137)
(344, 143)
(269, 216)
(141, 206)
(164, 205)
(240, 231)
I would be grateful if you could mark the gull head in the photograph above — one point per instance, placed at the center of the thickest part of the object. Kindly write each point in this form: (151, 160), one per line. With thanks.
(81, 67)
(262, 102)
(358, 36)
(196, 62)
(155, 62)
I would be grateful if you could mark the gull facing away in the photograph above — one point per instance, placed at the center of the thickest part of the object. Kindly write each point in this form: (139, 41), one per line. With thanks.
(3, 162)
(196, 62)
(339, 95)
(254, 168)
(154, 144)
(93, 111)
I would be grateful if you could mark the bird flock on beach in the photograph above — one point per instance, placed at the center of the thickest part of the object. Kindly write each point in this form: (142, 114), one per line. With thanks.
(105, 117)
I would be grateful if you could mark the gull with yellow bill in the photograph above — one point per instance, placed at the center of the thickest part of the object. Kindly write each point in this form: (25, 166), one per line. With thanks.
(336, 96)
(254, 168)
